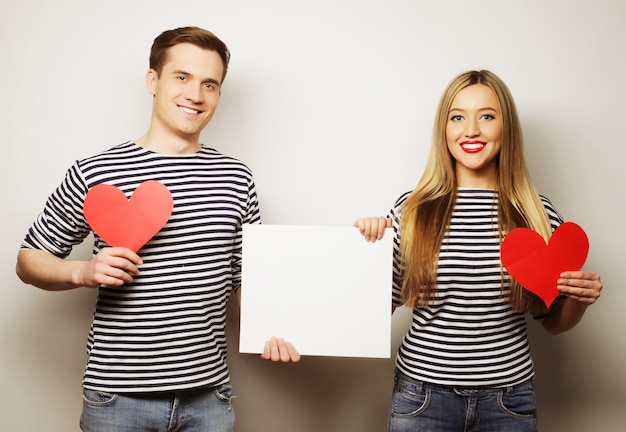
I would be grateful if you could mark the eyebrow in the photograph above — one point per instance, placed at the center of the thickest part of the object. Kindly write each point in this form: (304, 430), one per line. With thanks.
(479, 109)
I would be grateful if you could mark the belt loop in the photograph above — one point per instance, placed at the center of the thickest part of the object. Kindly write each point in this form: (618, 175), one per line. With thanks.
(417, 385)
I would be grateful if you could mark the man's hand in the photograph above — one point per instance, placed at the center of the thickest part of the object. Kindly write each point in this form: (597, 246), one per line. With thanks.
(111, 266)
(276, 349)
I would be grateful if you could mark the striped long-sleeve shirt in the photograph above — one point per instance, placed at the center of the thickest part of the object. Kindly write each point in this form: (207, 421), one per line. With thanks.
(166, 329)
(468, 336)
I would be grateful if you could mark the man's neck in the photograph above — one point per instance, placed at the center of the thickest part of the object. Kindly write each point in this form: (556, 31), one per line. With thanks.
(173, 145)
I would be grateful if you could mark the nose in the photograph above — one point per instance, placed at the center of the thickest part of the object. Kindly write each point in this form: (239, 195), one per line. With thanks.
(472, 128)
(194, 94)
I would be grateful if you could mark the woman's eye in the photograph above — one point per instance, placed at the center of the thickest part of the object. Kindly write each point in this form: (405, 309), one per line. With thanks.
(456, 118)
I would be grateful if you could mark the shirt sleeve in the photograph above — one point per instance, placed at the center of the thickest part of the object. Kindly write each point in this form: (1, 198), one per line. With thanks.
(398, 266)
(61, 225)
(252, 215)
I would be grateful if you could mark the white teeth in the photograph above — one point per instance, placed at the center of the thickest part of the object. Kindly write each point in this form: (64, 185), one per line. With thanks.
(187, 110)
(473, 146)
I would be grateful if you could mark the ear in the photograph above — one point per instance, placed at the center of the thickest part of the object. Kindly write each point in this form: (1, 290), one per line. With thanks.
(151, 80)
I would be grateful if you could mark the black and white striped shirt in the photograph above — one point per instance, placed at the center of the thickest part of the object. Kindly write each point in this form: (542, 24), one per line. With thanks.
(166, 330)
(469, 335)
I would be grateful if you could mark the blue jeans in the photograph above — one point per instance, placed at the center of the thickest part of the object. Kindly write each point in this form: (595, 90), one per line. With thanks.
(418, 406)
(198, 410)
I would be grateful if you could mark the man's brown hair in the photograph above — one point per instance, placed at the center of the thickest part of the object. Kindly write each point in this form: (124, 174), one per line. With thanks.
(193, 35)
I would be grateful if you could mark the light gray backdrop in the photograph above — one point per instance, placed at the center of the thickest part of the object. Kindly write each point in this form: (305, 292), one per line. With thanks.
(331, 104)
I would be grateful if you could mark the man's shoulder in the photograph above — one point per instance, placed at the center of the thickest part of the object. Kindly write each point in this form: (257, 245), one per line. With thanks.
(219, 157)
(119, 150)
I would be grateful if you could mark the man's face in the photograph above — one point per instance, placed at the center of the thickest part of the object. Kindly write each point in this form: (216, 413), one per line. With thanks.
(186, 92)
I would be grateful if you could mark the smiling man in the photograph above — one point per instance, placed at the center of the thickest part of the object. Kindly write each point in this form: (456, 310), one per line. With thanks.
(186, 86)
(157, 345)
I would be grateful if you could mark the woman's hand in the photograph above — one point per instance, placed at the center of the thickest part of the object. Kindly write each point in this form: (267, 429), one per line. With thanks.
(372, 228)
(581, 289)
(582, 286)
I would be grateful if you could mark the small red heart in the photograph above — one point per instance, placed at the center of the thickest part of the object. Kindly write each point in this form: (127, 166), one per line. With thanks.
(128, 222)
(536, 265)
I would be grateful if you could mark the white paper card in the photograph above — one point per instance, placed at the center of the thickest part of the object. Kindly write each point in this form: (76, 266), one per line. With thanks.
(325, 289)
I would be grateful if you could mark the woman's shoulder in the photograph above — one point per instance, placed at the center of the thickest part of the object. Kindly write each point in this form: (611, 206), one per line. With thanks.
(555, 217)
(402, 198)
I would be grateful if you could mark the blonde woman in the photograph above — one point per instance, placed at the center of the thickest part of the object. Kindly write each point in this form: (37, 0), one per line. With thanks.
(465, 362)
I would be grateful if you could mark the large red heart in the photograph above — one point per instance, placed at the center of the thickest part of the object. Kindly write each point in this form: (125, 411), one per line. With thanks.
(536, 265)
(128, 222)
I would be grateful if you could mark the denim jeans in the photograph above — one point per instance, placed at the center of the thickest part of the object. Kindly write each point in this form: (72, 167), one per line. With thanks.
(198, 410)
(418, 406)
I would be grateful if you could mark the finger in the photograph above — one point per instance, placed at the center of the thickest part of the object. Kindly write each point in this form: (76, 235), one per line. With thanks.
(117, 277)
(99, 273)
(126, 266)
(580, 287)
(127, 254)
(382, 224)
(360, 224)
(119, 258)
(365, 227)
(266, 354)
(374, 228)
(283, 352)
(122, 272)
(293, 353)
(107, 262)
(583, 295)
(274, 352)
(582, 299)
(128, 261)
(104, 280)
(586, 275)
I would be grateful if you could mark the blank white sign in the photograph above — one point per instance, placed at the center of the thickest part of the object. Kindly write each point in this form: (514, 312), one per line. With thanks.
(325, 289)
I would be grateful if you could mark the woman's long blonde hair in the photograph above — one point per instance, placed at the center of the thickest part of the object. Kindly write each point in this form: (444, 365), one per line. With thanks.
(427, 211)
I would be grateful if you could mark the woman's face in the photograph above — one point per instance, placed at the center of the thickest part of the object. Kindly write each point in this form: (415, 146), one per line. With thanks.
(474, 136)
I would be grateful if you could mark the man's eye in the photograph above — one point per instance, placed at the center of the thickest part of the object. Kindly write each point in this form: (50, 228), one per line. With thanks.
(181, 77)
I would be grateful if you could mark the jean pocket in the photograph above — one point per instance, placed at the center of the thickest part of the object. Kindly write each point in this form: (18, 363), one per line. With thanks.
(519, 402)
(408, 399)
(98, 398)
(224, 393)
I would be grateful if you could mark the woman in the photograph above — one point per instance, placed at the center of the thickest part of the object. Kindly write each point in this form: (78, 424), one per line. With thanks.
(465, 363)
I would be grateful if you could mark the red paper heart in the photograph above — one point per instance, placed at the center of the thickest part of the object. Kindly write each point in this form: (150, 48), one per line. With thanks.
(536, 265)
(128, 222)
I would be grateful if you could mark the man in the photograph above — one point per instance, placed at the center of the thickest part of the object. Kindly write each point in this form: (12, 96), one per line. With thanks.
(157, 346)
